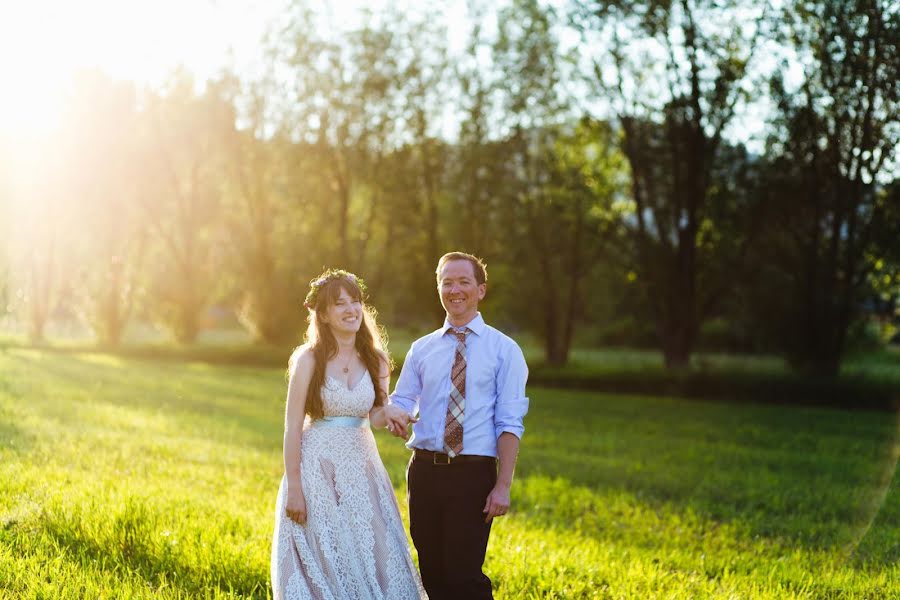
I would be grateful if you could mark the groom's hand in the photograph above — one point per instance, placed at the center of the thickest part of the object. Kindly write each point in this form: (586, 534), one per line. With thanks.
(397, 421)
(497, 503)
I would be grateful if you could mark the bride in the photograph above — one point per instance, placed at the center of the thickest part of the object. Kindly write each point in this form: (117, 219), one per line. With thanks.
(338, 532)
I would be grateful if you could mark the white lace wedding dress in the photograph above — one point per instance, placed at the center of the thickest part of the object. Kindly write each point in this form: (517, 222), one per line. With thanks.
(353, 544)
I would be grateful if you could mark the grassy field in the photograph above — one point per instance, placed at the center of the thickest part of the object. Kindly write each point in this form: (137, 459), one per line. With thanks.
(122, 478)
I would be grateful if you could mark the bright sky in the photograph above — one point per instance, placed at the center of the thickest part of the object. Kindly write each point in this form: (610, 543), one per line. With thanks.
(43, 42)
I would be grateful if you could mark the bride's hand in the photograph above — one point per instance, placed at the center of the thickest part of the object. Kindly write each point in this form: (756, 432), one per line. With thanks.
(295, 506)
(397, 421)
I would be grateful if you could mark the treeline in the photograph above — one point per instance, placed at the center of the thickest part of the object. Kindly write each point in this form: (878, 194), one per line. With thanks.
(599, 165)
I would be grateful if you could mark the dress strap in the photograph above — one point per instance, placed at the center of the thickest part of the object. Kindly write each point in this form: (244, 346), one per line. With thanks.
(341, 421)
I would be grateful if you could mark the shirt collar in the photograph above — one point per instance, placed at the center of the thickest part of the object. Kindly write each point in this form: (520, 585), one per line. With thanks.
(476, 325)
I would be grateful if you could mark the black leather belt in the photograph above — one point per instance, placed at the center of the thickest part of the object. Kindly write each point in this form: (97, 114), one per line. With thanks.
(439, 458)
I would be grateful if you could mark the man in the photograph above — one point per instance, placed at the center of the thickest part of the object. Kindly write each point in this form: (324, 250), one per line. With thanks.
(467, 382)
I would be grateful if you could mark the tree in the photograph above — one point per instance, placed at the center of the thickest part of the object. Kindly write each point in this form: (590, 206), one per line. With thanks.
(37, 210)
(259, 207)
(343, 100)
(562, 179)
(884, 265)
(479, 171)
(101, 175)
(674, 73)
(419, 175)
(570, 226)
(833, 144)
(365, 113)
(179, 196)
(40, 211)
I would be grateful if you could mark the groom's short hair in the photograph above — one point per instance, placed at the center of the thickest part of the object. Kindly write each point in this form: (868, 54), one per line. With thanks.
(478, 265)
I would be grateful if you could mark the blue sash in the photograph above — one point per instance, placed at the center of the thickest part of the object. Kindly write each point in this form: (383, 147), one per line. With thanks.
(341, 421)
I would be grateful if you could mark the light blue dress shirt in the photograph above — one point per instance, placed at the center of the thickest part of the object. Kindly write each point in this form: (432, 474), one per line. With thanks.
(495, 388)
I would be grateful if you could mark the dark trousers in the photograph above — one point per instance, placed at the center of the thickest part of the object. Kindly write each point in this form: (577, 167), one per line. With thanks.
(447, 525)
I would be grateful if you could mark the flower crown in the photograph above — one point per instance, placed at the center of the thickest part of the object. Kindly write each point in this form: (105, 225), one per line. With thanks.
(316, 285)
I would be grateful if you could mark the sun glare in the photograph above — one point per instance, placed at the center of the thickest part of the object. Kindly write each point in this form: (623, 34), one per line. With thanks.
(31, 72)
(44, 44)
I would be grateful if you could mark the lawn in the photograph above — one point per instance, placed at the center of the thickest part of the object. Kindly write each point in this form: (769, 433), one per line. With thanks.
(125, 478)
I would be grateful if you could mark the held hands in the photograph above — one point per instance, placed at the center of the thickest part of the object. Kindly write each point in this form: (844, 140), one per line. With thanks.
(397, 421)
(295, 505)
(497, 503)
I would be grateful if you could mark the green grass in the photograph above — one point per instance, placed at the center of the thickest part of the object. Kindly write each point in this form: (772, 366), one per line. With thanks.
(122, 478)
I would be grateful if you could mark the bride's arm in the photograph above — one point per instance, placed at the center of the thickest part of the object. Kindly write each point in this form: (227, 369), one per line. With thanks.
(298, 384)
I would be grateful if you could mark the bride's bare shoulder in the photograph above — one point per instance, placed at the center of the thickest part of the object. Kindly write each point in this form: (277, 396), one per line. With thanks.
(302, 359)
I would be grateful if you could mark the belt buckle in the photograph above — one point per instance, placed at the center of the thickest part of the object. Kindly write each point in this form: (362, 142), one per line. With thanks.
(434, 458)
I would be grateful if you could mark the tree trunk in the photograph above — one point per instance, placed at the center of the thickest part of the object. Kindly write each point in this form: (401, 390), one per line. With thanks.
(41, 284)
(677, 349)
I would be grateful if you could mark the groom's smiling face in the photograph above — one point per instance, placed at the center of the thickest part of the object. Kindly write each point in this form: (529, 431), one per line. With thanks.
(460, 291)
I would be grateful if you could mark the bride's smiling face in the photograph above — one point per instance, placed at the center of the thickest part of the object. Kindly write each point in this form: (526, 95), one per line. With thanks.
(345, 315)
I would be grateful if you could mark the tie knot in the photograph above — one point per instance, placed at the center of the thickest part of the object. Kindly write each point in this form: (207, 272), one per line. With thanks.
(461, 334)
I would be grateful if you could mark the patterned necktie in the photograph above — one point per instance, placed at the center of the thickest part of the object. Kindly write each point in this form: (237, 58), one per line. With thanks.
(453, 427)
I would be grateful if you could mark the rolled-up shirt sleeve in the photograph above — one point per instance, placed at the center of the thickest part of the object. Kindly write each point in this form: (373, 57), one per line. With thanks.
(512, 403)
(409, 386)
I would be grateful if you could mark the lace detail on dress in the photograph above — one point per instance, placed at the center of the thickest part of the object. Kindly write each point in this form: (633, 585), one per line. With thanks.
(353, 544)
(339, 400)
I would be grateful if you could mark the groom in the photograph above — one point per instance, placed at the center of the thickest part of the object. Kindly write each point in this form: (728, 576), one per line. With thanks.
(466, 380)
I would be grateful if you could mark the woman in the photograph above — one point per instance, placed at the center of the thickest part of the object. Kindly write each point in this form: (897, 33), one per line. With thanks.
(338, 532)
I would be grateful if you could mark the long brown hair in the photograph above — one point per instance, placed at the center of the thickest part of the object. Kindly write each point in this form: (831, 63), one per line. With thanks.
(371, 341)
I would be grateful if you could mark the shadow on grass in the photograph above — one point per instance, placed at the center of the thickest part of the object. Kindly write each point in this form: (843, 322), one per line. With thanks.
(815, 476)
(240, 400)
(689, 544)
(13, 438)
(239, 354)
